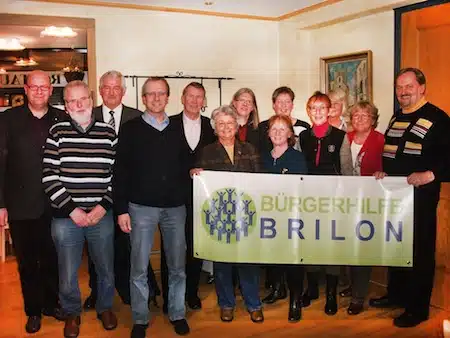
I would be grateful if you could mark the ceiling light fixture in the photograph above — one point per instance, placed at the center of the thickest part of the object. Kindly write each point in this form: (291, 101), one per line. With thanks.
(26, 63)
(209, 3)
(60, 32)
(10, 44)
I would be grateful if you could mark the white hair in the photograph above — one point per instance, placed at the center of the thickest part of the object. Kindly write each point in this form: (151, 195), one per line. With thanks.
(114, 74)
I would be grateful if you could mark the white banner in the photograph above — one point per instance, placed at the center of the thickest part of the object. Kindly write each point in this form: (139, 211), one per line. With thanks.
(334, 220)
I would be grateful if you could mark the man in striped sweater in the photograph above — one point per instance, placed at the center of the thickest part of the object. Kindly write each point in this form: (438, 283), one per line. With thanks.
(77, 171)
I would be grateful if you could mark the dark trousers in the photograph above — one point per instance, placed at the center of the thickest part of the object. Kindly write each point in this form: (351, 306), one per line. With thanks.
(193, 265)
(360, 277)
(412, 287)
(294, 277)
(37, 262)
(122, 251)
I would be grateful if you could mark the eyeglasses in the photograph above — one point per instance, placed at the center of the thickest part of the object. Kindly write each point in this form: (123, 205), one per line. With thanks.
(364, 117)
(34, 88)
(222, 125)
(154, 94)
(244, 101)
(74, 102)
(316, 109)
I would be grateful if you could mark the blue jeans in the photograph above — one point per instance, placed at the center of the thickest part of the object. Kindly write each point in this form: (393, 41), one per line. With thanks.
(249, 282)
(69, 241)
(144, 221)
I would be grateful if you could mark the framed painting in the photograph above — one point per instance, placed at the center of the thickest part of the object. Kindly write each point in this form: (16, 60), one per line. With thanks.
(350, 72)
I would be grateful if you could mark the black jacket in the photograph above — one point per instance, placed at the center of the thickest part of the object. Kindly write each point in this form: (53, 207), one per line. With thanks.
(330, 151)
(207, 136)
(21, 153)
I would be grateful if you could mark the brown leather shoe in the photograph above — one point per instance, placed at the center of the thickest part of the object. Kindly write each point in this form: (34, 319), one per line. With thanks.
(72, 326)
(108, 319)
(257, 316)
(226, 314)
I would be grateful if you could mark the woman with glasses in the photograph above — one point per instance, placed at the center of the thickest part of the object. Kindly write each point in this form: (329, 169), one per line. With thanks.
(230, 154)
(244, 102)
(327, 152)
(367, 148)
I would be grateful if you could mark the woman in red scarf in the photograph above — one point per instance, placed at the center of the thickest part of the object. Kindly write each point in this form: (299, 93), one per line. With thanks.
(327, 152)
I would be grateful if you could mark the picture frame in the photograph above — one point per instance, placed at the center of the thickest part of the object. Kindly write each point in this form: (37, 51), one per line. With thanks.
(350, 72)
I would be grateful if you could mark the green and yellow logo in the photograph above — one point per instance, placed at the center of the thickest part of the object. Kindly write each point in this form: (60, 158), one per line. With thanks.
(229, 215)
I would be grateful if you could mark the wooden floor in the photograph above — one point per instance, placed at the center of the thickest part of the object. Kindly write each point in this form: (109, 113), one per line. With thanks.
(206, 323)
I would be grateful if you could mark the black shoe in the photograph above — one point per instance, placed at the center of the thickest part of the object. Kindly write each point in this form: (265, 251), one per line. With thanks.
(194, 303)
(139, 330)
(308, 296)
(89, 303)
(383, 302)
(407, 319)
(295, 309)
(56, 313)
(181, 327)
(347, 292)
(33, 324)
(331, 294)
(277, 292)
(355, 308)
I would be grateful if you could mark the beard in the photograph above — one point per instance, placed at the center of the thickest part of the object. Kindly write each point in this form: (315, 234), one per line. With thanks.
(83, 117)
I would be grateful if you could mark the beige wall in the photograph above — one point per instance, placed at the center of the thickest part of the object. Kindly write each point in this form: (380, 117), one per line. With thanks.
(302, 50)
(259, 54)
(156, 43)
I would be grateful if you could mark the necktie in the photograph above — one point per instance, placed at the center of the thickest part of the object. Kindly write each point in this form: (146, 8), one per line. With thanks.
(112, 121)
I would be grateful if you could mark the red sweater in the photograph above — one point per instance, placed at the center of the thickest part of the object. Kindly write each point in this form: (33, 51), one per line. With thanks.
(373, 150)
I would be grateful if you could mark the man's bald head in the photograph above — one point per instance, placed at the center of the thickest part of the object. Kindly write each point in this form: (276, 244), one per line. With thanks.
(38, 90)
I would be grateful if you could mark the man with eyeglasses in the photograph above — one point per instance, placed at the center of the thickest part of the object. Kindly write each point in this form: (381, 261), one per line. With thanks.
(149, 189)
(112, 90)
(77, 174)
(23, 204)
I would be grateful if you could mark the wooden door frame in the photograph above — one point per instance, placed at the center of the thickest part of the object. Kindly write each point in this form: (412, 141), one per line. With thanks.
(398, 12)
(81, 23)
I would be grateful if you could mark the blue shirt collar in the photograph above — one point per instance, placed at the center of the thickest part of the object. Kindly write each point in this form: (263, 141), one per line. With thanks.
(151, 120)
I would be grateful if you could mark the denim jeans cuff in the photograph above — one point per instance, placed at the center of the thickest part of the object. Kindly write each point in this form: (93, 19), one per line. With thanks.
(254, 309)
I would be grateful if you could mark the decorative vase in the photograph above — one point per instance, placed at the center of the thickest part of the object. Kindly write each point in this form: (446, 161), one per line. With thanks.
(74, 75)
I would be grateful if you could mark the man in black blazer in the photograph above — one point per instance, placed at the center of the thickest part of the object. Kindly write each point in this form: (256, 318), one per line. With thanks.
(112, 89)
(23, 204)
(196, 133)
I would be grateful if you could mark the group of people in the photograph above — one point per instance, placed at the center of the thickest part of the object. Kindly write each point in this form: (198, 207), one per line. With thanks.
(110, 175)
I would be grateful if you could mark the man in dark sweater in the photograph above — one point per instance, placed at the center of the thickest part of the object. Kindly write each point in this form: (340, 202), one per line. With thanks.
(417, 146)
(112, 89)
(23, 204)
(77, 174)
(149, 190)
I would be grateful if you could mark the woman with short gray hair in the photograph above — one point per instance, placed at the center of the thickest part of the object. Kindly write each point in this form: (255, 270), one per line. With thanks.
(230, 154)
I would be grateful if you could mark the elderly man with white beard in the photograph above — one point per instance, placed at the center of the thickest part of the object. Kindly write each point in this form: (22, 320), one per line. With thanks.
(77, 172)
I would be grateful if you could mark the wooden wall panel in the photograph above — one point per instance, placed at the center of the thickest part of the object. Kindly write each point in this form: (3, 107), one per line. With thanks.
(426, 45)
